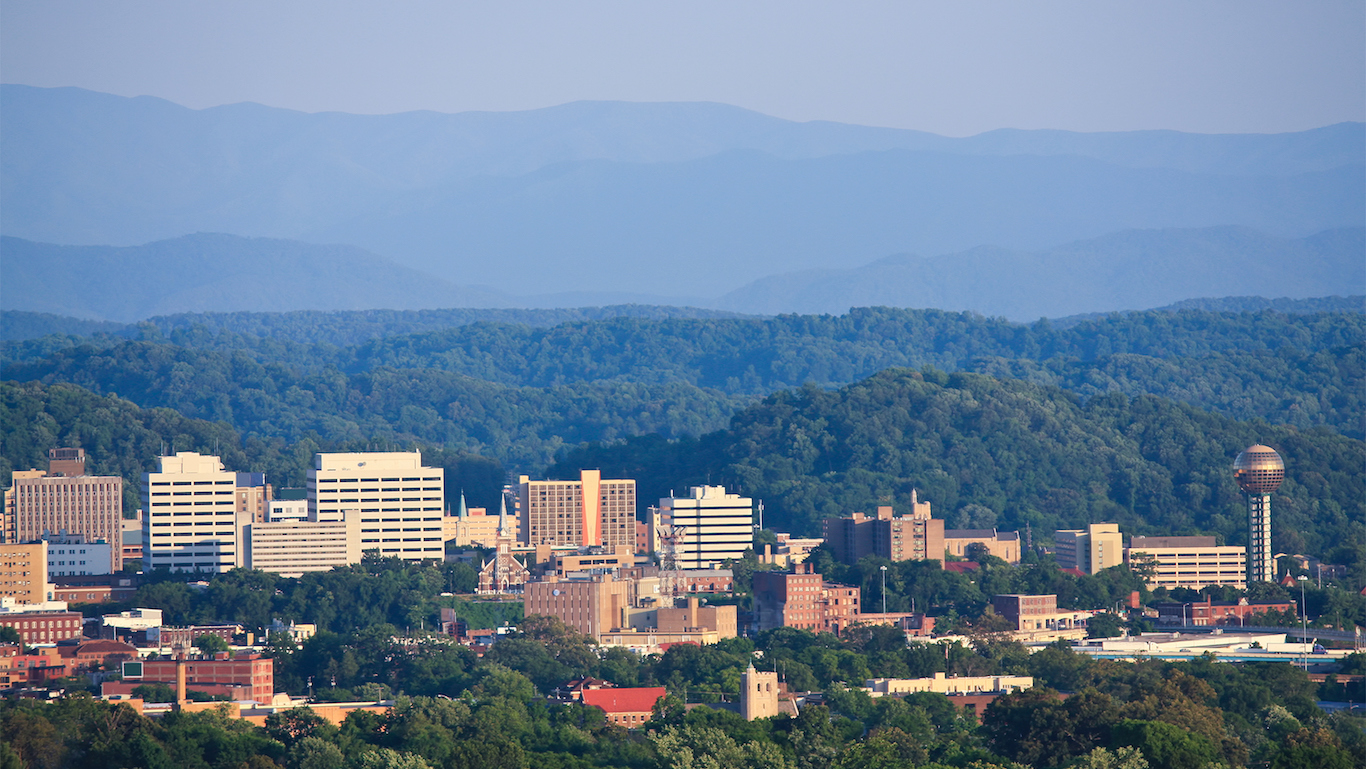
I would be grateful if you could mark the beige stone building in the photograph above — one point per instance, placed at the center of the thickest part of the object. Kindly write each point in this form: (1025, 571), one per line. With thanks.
(475, 527)
(588, 512)
(758, 694)
(943, 684)
(1098, 546)
(1001, 544)
(1192, 562)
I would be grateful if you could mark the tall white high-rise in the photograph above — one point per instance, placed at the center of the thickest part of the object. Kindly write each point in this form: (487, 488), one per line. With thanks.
(716, 526)
(192, 522)
(400, 502)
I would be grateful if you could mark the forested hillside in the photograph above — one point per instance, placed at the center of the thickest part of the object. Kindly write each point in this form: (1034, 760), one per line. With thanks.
(120, 438)
(1302, 370)
(1114, 443)
(988, 452)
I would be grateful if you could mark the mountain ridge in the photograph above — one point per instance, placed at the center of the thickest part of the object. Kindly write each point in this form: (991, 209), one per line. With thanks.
(1127, 270)
(623, 199)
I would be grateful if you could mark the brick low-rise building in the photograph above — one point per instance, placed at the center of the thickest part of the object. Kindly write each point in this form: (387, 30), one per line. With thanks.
(802, 599)
(1210, 612)
(628, 707)
(18, 669)
(43, 627)
(249, 674)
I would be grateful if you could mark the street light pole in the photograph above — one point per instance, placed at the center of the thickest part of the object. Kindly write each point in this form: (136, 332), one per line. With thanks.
(1304, 623)
(884, 590)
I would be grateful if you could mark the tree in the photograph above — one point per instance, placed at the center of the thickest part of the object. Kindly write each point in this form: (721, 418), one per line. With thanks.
(1166, 746)
(1105, 626)
(1119, 758)
(9, 635)
(211, 644)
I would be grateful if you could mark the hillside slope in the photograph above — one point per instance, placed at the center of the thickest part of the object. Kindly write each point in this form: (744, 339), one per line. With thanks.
(1026, 454)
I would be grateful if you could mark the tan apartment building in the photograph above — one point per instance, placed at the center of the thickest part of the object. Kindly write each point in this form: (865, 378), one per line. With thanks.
(400, 501)
(65, 499)
(589, 512)
(914, 537)
(23, 572)
(1098, 546)
(1191, 562)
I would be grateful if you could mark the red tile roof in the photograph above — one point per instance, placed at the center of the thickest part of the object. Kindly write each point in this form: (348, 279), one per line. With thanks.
(637, 700)
(962, 567)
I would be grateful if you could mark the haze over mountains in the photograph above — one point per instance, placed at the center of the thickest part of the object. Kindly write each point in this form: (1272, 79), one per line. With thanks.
(599, 203)
(1136, 269)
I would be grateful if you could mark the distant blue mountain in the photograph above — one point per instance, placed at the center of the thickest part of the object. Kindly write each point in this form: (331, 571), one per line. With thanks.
(1134, 269)
(1131, 270)
(613, 200)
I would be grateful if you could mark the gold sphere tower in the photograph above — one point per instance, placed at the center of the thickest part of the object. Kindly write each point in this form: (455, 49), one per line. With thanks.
(1259, 471)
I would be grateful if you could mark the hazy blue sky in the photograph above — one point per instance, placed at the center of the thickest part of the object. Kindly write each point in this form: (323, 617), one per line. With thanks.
(950, 67)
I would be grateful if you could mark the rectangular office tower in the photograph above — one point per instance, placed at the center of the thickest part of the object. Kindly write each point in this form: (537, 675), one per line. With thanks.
(400, 502)
(66, 500)
(587, 512)
(192, 522)
(716, 526)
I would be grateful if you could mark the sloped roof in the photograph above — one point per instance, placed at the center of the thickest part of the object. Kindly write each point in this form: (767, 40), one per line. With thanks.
(103, 646)
(635, 700)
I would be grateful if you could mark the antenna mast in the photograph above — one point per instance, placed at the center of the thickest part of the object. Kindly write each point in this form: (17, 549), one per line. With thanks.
(671, 579)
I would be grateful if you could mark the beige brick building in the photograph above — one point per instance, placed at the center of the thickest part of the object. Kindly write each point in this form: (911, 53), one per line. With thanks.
(65, 499)
(590, 606)
(1098, 546)
(23, 572)
(588, 512)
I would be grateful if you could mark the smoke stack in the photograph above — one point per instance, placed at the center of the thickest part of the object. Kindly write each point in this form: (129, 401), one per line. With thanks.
(180, 679)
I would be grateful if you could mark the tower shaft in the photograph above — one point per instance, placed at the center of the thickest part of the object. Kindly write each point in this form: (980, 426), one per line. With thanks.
(1260, 567)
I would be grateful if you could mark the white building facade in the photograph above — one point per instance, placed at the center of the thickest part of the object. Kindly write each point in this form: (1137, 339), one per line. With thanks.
(74, 557)
(399, 501)
(715, 526)
(192, 522)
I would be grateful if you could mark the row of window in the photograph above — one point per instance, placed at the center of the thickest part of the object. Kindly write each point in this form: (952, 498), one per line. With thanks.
(423, 479)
